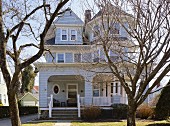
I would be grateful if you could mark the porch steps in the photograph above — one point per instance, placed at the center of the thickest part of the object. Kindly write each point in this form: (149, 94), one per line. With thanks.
(65, 114)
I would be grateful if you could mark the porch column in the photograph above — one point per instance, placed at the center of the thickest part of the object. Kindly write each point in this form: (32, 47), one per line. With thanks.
(88, 92)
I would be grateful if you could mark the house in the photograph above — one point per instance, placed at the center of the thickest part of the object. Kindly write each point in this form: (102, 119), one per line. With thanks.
(72, 77)
(29, 99)
(35, 90)
(3, 91)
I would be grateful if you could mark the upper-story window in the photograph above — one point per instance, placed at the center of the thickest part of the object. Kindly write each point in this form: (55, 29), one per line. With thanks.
(60, 58)
(64, 35)
(114, 28)
(96, 31)
(77, 57)
(73, 35)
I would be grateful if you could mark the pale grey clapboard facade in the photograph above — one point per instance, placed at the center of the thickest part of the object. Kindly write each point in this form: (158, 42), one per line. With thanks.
(70, 66)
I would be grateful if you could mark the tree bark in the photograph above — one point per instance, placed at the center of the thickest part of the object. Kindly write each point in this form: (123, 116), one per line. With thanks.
(13, 108)
(131, 115)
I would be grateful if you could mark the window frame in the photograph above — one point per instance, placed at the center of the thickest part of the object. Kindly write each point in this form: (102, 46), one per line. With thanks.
(74, 57)
(96, 89)
(58, 58)
(71, 34)
(58, 89)
(65, 34)
(97, 30)
(114, 24)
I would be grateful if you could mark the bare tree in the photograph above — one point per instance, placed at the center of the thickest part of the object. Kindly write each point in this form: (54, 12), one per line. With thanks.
(143, 54)
(18, 19)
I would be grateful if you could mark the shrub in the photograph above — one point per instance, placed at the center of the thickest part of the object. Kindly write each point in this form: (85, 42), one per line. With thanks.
(24, 110)
(119, 111)
(144, 111)
(91, 113)
(162, 110)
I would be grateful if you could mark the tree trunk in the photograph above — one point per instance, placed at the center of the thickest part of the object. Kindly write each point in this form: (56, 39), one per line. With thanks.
(13, 109)
(131, 115)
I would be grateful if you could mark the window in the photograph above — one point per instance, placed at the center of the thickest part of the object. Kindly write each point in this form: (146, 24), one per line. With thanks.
(114, 28)
(77, 57)
(73, 35)
(96, 56)
(116, 88)
(96, 31)
(56, 89)
(60, 58)
(64, 35)
(111, 87)
(96, 91)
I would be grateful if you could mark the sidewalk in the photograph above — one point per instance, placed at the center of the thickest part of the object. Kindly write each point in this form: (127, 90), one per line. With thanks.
(24, 119)
(63, 123)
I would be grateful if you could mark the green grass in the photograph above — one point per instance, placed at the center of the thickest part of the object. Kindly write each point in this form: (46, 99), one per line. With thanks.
(139, 123)
(40, 124)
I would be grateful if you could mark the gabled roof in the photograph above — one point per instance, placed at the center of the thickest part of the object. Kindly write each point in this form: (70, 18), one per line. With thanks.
(36, 88)
(36, 96)
(111, 10)
(69, 17)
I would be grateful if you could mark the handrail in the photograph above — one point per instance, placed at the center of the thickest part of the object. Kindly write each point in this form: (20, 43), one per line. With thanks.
(50, 106)
(78, 105)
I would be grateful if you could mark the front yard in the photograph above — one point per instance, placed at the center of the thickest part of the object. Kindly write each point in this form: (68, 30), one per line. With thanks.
(139, 123)
(123, 123)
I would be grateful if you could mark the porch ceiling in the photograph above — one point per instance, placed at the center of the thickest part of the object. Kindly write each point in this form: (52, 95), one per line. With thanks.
(65, 78)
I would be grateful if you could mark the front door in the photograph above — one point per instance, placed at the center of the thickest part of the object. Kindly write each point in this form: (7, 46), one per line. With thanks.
(72, 91)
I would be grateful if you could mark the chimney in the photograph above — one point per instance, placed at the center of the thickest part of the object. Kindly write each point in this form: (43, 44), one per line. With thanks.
(87, 16)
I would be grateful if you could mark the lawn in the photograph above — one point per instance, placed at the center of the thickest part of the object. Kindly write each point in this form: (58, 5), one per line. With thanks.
(39, 124)
(139, 123)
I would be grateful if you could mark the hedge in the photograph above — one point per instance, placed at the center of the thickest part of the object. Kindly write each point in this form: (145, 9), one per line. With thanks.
(24, 110)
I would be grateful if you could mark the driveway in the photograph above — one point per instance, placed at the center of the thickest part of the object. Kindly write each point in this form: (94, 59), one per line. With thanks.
(24, 119)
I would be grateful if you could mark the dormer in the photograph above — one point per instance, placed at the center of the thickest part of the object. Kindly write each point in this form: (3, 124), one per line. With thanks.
(68, 29)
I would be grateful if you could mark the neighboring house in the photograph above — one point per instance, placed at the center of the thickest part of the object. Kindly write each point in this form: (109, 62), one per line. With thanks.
(35, 90)
(3, 91)
(29, 99)
(69, 79)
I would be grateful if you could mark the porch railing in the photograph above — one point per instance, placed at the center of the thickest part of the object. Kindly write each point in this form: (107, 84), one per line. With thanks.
(78, 105)
(50, 106)
(105, 101)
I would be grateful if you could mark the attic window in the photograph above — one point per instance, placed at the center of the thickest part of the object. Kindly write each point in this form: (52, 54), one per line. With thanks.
(64, 35)
(73, 35)
(115, 28)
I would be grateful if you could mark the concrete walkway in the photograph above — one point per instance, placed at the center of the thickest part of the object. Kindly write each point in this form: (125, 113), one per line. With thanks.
(63, 123)
(24, 119)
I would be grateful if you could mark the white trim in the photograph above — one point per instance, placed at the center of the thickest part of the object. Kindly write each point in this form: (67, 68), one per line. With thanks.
(63, 57)
(62, 34)
(27, 94)
(80, 57)
(71, 84)
(58, 89)
(71, 34)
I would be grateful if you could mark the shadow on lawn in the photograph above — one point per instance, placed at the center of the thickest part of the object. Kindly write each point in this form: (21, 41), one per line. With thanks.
(103, 120)
(159, 124)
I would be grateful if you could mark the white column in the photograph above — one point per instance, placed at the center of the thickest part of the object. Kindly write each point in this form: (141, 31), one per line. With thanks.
(88, 91)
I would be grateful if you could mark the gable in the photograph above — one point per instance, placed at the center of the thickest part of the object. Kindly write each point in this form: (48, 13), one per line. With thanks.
(28, 96)
(69, 17)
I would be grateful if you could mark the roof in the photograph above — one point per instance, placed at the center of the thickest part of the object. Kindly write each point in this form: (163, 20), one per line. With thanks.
(69, 17)
(50, 41)
(36, 96)
(36, 88)
(110, 9)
